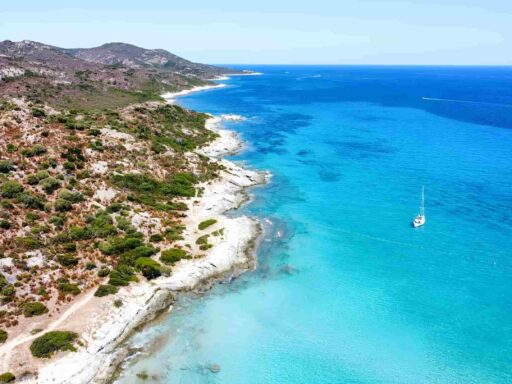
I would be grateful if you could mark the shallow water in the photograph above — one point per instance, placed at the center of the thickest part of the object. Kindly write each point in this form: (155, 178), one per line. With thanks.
(346, 291)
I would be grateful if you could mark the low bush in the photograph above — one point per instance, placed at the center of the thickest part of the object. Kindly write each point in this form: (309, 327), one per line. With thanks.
(90, 266)
(143, 251)
(50, 185)
(119, 245)
(28, 242)
(37, 112)
(36, 150)
(156, 238)
(205, 224)
(171, 256)
(3, 282)
(105, 290)
(69, 288)
(62, 205)
(45, 346)
(34, 308)
(149, 268)
(121, 276)
(3, 336)
(6, 166)
(7, 377)
(67, 260)
(28, 200)
(80, 233)
(72, 197)
(11, 188)
(102, 224)
(103, 272)
(202, 239)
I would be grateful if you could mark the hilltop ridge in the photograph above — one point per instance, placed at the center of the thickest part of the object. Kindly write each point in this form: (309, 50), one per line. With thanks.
(111, 75)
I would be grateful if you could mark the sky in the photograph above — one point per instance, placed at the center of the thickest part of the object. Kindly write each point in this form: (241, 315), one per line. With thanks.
(451, 32)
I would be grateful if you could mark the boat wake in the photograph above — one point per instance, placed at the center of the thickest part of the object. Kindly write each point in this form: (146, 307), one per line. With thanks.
(466, 101)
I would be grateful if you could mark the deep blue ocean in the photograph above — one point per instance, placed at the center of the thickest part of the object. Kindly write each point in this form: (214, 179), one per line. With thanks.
(346, 291)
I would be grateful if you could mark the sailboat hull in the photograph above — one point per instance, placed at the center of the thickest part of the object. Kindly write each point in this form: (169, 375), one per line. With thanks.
(418, 221)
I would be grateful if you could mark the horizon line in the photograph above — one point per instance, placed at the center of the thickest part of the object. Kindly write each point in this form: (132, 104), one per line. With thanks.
(365, 65)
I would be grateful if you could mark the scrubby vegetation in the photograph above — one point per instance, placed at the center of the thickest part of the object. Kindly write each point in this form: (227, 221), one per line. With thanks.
(205, 224)
(45, 346)
(7, 377)
(92, 187)
(3, 336)
(105, 290)
(31, 309)
(171, 256)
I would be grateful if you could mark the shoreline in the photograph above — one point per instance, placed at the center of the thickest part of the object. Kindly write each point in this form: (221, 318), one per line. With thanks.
(103, 328)
(171, 97)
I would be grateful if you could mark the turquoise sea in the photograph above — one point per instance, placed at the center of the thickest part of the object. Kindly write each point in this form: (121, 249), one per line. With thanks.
(346, 291)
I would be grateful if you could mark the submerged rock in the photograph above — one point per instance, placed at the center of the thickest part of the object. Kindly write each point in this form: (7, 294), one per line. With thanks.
(214, 368)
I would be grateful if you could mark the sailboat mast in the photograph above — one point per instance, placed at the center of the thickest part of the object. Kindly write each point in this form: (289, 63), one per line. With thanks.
(422, 200)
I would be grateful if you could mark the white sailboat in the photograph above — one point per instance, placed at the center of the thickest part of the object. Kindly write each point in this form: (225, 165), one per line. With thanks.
(420, 219)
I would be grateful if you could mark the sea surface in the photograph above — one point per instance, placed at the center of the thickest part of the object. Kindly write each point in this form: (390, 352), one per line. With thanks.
(346, 291)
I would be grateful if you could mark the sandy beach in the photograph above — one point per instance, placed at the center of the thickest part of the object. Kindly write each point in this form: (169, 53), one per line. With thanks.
(171, 96)
(103, 327)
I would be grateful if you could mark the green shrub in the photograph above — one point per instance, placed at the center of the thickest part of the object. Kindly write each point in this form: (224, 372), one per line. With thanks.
(3, 336)
(28, 242)
(67, 260)
(35, 178)
(7, 377)
(182, 184)
(28, 200)
(51, 342)
(4, 224)
(8, 291)
(57, 220)
(37, 112)
(102, 225)
(171, 256)
(103, 271)
(69, 166)
(118, 303)
(11, 188)
(69, 288)
(6, 166)
(104, 290)
(204, 247)
(32, 180)
(122, 275)
(50, 185)
(141, 251)
(202, 239)
(119, 245)
(62, 205)
(205, 224)
(72, 197)
(174, 233)
(114, 207)
(34, 308)
(90, 266)
(3, 281)
(36, 150)
(149, 268)
(79, 233)
(156, 238)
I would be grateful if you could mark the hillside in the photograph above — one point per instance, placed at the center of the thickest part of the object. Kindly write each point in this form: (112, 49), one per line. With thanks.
(112, 75)
(97, 177)
(136, 57)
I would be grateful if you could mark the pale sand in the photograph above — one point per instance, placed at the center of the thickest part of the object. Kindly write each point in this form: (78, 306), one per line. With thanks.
(171, 96)
(102, 327)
